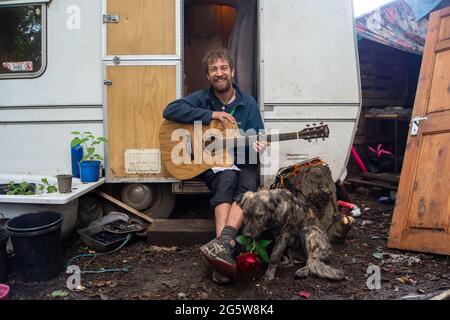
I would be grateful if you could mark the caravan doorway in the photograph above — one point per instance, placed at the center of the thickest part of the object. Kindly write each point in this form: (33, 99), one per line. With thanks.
(210, 24)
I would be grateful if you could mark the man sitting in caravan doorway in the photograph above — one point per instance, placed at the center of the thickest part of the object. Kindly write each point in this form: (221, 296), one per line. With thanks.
(223, 101)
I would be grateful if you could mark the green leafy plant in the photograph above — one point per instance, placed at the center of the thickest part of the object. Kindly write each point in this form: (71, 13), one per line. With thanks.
(47, 187)
(88, 142)
(22, 188)
(255, 246)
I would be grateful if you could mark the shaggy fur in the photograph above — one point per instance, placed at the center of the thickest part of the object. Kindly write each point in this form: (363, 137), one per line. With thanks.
(294, 225)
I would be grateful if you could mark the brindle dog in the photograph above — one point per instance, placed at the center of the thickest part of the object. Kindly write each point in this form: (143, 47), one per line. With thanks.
(294, 225)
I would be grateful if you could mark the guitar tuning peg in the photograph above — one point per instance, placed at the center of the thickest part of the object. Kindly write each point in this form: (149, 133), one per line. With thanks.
(314, 124)
(323, 139)
(321, 123)
(307, 125)
(309, 140)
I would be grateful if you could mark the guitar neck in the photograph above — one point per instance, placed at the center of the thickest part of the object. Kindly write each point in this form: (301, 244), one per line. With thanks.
(247, 140)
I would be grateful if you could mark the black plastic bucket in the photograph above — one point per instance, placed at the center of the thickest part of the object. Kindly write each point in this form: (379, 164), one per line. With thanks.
(3, 257)
(36, 239)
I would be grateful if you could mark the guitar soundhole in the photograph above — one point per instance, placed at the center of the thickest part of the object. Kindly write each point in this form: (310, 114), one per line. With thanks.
(209, 145)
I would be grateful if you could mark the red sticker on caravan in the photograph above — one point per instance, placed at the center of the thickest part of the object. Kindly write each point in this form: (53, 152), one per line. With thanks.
(18, 66)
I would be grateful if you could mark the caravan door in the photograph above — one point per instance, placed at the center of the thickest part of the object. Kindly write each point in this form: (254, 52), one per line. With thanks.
(141, 54)
(309, 74)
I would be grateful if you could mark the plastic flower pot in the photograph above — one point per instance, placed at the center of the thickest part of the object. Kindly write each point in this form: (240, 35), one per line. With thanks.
(89, 171)
(36, 239)
(64, 183)
(4, 291)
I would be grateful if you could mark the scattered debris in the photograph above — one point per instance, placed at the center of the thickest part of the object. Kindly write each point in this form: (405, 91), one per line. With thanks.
(163, 249)
(402, 258)
(378, 255)
(59, 293)
(406, 280)
(203, 296)
(385, 200)
(435, 295)
(303, 294)
(182, 296)
(104, 296)
(167, 271)
(366, 222)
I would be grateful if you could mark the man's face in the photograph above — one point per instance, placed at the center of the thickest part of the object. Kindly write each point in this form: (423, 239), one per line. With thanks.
(220, 75)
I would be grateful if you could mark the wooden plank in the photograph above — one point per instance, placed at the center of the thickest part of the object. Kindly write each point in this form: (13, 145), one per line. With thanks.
(391, 178)
(124, 206)
(146, 27)
(136, 100)
(180, 232)
(372, 184)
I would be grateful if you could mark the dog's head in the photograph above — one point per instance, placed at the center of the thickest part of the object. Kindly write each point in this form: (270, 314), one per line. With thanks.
(260, 211)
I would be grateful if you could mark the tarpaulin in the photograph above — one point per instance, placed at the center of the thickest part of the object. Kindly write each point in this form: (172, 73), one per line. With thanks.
(400, 24)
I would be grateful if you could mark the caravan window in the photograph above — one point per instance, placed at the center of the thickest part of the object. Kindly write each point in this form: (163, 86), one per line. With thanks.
(22, 41)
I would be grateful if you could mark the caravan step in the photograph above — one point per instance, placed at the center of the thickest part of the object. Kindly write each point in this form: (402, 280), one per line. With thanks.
(180, 232)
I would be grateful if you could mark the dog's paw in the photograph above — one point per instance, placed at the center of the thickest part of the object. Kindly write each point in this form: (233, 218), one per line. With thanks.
(302, 273)
(286, 261)
(268, 277)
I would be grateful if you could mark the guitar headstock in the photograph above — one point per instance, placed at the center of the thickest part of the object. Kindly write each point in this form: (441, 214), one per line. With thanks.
(314, 132)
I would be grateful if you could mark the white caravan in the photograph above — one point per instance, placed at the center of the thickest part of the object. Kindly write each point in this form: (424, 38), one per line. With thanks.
(111, 66)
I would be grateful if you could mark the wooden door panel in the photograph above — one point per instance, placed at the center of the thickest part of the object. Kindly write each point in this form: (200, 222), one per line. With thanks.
(136, 100)
(422, 213)
(146, 27)
(427, 208)
(440, 88)
(444, 29)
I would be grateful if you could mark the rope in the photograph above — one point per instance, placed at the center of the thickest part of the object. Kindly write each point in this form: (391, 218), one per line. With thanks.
(95, 255)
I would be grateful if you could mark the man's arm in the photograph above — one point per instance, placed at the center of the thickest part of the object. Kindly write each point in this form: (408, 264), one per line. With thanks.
(187, 110)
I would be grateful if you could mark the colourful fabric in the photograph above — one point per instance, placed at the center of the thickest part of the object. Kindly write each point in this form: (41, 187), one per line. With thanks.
(396, 25)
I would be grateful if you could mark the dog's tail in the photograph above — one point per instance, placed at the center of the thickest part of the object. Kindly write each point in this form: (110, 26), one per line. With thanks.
(322, 270)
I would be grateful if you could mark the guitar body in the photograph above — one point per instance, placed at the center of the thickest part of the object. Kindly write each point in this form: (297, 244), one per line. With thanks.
(185, 153)
(188, 150)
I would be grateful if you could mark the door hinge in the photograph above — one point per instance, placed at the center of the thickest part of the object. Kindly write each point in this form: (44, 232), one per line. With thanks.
(415, 125)
(107, 82)
(110, 18)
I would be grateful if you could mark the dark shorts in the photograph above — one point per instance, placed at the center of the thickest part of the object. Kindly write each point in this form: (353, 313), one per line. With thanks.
(227, 186)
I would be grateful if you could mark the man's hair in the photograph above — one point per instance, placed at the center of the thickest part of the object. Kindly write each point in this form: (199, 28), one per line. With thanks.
(215, 54)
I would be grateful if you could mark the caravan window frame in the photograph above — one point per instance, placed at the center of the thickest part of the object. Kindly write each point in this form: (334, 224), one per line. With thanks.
(43, 6)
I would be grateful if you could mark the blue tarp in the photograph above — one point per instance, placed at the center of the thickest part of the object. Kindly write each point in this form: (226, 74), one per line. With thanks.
(400, 24)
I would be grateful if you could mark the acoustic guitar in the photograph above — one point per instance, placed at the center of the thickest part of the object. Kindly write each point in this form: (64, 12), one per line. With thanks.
(188, 150)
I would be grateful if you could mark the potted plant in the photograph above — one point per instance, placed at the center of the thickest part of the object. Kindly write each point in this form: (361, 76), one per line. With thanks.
(90, 163)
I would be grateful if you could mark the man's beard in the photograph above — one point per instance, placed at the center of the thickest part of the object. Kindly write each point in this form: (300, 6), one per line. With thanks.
(224, 88)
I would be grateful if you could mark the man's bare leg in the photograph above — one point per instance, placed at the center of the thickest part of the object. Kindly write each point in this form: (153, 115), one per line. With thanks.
(235, 217)
(221, 213)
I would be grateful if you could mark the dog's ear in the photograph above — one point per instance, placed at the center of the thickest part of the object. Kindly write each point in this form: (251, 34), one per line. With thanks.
(242, 198)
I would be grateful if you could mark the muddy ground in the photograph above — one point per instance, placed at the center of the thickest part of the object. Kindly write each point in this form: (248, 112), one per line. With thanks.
(181, 273)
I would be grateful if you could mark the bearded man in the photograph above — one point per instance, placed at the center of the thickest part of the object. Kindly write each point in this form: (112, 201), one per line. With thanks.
(223, 101)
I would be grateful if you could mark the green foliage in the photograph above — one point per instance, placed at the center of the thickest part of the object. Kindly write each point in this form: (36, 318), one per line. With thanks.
(88, 142)
(22, 188)
(252, 245)
(47, 187)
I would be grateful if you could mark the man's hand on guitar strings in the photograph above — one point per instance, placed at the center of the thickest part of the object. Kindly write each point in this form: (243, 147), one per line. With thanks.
(223, 117)
(260, 146)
